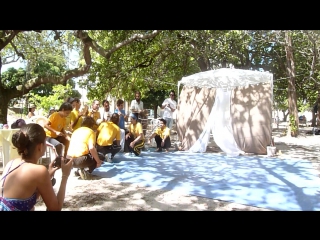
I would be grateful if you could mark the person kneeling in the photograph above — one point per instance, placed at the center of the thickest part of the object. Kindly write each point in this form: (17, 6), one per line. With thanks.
(108, 137)
(82, 149)
(134, 139)
(162, 136)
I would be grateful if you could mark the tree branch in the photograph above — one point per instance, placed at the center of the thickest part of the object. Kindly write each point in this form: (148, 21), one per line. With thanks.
(84, 37)
(74, 73)
(12, 34)
(16, 50)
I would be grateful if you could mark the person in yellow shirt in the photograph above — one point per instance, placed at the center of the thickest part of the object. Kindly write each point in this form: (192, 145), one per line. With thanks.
(76, 116)
(94, 113)
(108, 137)
(55, 129)
(162, 136)
(83, 151)
(134, 139)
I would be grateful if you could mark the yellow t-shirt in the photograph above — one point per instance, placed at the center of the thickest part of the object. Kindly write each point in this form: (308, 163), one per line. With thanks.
(80, 140)
(73, 117)
(95, 116)
(162, 133)
(68, 122)
(107, 133)
(136, 130)
(57, 123)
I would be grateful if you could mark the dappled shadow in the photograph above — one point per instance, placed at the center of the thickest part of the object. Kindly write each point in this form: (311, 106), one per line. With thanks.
(263, 182)
(128, 197)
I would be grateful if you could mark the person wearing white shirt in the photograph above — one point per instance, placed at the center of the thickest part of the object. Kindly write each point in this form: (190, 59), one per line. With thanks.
(169, 105)
(105, 113)
(136, 105)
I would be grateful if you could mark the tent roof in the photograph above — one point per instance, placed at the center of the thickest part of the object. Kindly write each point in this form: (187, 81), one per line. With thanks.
(226, 78)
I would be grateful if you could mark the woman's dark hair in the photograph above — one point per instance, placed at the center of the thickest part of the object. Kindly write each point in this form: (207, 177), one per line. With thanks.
(65, 107)
(27, 138)
(172, 91)
(88, 122)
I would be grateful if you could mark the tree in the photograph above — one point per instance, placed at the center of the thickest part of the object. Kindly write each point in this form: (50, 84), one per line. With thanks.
(39, 45)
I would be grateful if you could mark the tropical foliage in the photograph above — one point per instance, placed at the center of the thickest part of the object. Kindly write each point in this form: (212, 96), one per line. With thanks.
(119, 62)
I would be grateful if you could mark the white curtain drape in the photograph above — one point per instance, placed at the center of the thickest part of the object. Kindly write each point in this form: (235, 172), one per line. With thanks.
(222, 131)
(219, 123)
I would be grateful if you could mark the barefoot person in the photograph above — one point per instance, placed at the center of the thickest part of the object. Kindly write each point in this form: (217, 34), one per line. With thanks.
(23, 180)
(162, 136)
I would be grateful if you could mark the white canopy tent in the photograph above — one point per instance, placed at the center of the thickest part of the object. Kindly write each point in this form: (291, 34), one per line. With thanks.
(218, 101)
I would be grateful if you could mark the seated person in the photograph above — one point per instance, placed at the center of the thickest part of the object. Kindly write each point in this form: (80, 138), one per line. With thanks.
(77, 114)
(94, 112)
(24, 181)
(108, 137)
(18, 123)
(162, 136)
(82, 149)
(55, 129)
(134, 139)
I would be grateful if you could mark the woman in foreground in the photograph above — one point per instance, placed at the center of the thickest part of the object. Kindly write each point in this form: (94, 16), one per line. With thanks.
(23, 180)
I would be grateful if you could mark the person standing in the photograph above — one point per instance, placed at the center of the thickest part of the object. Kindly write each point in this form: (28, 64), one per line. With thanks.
(55, 129)
(123, 117)
(134, 139)
(52, 110)
(24, 181)
(169, 105)
(136, 106)
(94, 113)
(108, 137)
(31, 109)
(83, 151)
(162, 136)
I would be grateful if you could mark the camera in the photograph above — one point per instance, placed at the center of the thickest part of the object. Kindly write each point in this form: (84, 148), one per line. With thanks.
(57, 161)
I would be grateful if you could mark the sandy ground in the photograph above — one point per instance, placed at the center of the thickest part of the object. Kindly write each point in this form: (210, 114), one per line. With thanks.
(105, 194)
(108, 195)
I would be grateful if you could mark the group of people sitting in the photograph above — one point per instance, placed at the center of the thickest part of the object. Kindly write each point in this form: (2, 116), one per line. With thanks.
(94, 136)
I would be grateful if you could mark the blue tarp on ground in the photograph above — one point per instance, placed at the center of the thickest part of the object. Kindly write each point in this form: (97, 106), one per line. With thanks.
(278, 184)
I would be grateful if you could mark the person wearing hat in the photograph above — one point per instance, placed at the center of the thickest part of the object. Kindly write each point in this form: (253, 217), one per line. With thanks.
(52, 110)
(32, 108)
(134, 139)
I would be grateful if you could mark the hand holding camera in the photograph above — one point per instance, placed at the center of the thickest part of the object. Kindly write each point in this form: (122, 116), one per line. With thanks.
(57, 161)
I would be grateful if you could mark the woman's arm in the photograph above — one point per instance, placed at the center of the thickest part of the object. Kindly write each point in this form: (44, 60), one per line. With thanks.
(52, 201)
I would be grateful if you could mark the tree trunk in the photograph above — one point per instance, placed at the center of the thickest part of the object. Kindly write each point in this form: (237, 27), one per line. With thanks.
(292, 96)
(3, 107)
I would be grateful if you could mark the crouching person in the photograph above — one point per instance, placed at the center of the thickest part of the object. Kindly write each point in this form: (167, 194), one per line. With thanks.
(162, 136)
(108, 137)
(82, 149)
(134, 139)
